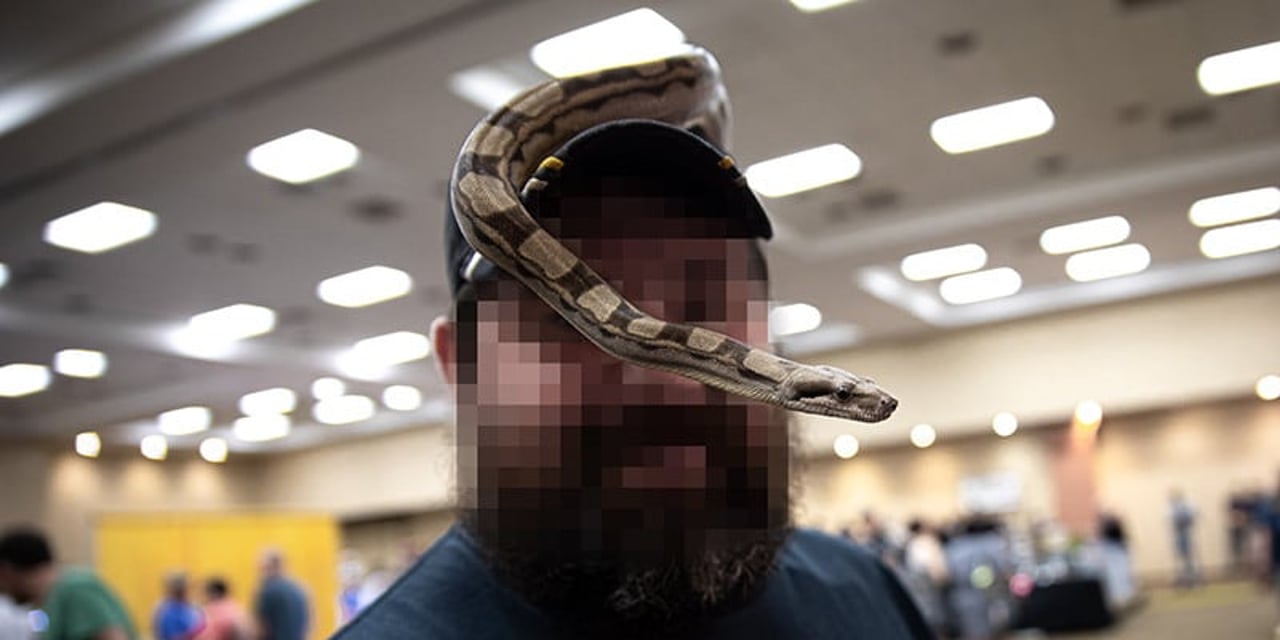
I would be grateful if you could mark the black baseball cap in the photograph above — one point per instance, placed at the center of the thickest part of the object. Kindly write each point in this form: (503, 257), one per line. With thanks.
(644, 156)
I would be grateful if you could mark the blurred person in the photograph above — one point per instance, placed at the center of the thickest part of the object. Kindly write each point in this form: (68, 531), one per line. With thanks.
(1117, 572)
(925, 567)
(280, 607)
(14, 621)
(1182, 516)
(175, 617)
(979, 563)
(602, 499)
(77, 604)
(223, 618)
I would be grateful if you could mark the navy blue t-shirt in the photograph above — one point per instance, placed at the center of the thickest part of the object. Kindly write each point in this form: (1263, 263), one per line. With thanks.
(821, 587)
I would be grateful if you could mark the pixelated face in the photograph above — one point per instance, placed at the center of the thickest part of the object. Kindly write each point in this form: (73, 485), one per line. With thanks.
(572, 454)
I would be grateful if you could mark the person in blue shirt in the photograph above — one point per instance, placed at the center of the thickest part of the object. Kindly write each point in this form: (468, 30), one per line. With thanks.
(601, 499)
(176, 618)
(280, 607)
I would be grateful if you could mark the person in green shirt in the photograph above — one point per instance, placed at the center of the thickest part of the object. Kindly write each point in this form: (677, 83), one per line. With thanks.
(79, 606)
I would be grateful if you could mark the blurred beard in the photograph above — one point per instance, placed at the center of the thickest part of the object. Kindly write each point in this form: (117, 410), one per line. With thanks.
(621, 561)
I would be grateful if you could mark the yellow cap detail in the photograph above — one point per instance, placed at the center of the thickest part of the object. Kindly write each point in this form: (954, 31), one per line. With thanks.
(552, 163)
(726, 162)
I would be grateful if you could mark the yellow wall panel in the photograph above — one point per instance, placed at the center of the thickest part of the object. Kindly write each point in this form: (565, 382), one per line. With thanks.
(134, 552)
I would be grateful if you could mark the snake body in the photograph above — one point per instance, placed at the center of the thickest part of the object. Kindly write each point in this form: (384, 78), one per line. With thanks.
(506, 148)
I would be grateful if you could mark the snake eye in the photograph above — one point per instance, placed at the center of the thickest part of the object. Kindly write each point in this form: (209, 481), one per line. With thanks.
(844, 393)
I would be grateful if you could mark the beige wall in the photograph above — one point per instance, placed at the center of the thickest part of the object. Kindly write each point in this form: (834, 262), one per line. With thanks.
(62, 492)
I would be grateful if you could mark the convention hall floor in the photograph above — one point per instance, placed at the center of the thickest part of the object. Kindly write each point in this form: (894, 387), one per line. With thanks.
(1230, 611)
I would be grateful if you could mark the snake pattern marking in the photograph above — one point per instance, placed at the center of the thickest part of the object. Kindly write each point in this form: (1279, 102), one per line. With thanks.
(508, 146)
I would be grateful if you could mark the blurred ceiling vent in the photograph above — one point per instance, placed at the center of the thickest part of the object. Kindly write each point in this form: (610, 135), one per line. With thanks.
(1132, 113)
(1051, 165)
(1139, 5)
(376, 210)
(957, 43)
(1185, 118)
(34, 273)
(880, 199)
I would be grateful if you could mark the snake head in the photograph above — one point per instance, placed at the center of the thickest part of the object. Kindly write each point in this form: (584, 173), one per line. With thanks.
(834, 392)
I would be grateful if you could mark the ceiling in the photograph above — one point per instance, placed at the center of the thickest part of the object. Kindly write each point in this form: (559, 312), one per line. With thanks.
(133, 106)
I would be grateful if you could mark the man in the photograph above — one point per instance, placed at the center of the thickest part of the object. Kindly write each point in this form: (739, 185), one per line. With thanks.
(1183, 518)
(601, 499)
(176, 618)
(281, 606)
(78, 605)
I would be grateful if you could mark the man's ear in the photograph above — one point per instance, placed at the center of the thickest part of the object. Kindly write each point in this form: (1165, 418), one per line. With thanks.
(443, 335)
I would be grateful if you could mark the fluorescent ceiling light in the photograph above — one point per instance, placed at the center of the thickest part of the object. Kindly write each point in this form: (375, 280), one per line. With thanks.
(364, 287)
(1239, 239)
(4, 275)
(980, 286)
(804, 170)
(1088, 234)
(1108, 263)
(23, 379)
(846, 446)
(268, 401)
(947, 261)
(1004, 424)
(992, 126)
(325, 388)
(923, 436)
(303, 156)
(260, 428)
(633, 37)
(101, 227)
(185, 421)
(811, 6)
(1235, 207)
(393, 348)
(344, 410)
(231, 323)
(402, 397)
(1240, 70)
(88, 444)
(1268, 387)
(80, 363)
(154, 447)
(214, 450)
(485, 87)
(791, 319)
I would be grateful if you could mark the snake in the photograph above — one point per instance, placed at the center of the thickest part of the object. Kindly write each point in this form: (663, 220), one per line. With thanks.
(499, 162)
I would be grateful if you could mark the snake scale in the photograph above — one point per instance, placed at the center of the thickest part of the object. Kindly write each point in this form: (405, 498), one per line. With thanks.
(504, 150)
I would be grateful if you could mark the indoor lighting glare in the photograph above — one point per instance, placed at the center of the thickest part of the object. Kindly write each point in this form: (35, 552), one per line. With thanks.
(1108, 263)
(980, 286)
(391, 349)
(1239, 239)
(4, 275)
(923, 436)
(1088, 413)
(268, 401)
(1235, 207)
(1240, 70)
(303, 156)
(485, 87)
(992, 126)
(1004, 424)
(80, 363)
(231, 323)
(846, 446)
(364, 287)
(22, 379)
(88, 444)
(633, 37)
(940, 263)
(402, 397)
(1268, 387)
(101, 227)
(344, 410)
(804, 170)
(261, 428)
(812, 6)
(1088, 234)
(791, 319)
(154, 447)
(325, 388)
(185, 421)
(214, 450)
